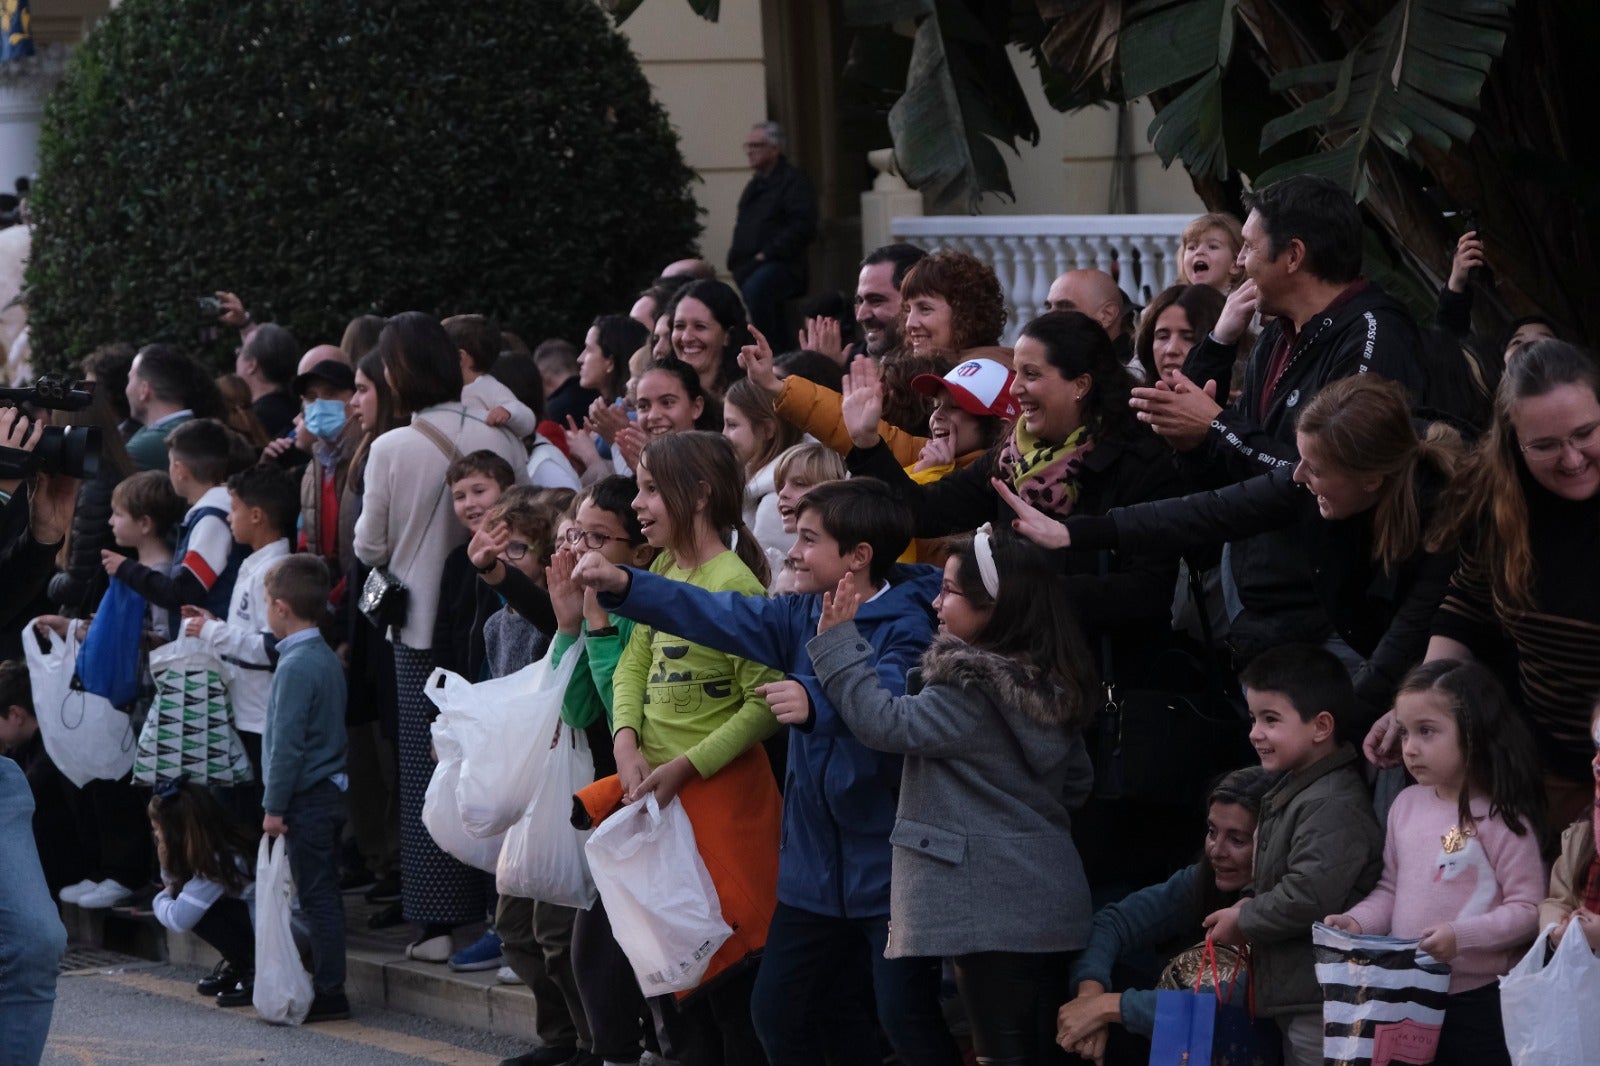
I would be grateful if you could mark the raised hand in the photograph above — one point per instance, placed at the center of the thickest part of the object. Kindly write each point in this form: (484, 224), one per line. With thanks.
(1382, 743)
(862, 407)
(939, 451)
(566, 595)
(1469, 254)
(821, 334)
(606, 420)
(487, 543)
(630, 444)
(580, 445)
(758, 365)
(839, 606)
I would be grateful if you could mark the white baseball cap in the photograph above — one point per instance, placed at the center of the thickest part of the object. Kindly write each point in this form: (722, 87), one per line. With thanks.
(980, 387)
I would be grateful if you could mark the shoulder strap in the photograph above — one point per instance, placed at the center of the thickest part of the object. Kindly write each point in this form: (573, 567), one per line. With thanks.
(440, 441)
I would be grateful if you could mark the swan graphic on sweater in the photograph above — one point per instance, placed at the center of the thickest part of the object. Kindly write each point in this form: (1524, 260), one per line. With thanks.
(1469, 855)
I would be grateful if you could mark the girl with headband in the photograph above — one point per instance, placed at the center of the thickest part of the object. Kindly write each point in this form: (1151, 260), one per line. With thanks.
(984, 867)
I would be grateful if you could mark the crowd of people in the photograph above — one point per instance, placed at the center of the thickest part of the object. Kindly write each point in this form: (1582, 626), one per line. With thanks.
(991, 677)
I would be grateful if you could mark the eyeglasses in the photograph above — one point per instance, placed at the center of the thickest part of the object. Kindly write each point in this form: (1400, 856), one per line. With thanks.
(1549, 449)
(591, 538)
(752, 146)
(515, 550)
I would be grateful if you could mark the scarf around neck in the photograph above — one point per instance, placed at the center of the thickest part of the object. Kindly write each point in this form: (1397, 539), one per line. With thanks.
(1045, 475)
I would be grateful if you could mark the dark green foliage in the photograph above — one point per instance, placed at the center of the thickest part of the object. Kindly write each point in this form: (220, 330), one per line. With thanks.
(329, 159)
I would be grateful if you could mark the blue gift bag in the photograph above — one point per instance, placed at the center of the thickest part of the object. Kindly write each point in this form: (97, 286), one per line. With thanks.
(1185, 1029)
(108, 661)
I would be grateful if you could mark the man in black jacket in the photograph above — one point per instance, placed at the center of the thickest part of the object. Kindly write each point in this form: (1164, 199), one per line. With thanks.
(777, 220)
(1302, 259)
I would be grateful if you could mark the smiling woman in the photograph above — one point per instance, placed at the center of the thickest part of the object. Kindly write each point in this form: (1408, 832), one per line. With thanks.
(1163, 913)
(1527, 508)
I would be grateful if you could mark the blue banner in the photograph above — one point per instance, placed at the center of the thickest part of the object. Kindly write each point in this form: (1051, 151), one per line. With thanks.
(17, 40)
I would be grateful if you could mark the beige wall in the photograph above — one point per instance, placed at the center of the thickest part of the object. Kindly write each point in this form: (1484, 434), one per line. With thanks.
(711, 78)
(1069, 171)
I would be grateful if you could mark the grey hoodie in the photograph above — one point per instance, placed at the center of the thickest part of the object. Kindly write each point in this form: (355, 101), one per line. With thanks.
(983, 853)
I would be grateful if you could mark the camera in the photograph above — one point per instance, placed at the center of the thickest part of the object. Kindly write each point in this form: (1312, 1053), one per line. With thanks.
(72, 451)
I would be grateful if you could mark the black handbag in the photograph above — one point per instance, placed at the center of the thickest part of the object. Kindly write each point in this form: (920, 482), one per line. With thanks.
(384, 599)
(1164, 742)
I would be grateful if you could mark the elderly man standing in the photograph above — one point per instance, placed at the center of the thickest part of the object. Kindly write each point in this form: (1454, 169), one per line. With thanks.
(777, 220)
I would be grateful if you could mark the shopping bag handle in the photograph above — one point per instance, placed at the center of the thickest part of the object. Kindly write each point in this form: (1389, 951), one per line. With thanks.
(1208, 962)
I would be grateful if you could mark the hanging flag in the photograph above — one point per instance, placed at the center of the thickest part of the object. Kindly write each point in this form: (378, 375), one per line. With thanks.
(15, 23)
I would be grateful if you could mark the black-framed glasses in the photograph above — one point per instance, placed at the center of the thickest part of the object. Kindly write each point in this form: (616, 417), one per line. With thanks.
(591, 538)
(1548, 449)
(515, 550)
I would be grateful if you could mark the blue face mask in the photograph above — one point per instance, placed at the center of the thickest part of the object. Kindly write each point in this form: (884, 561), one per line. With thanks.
(324, 418)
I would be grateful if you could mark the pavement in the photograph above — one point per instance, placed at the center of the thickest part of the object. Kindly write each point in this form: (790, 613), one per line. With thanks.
(134, 1012)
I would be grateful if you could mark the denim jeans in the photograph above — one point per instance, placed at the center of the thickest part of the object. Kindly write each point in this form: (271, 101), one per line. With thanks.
(315, 818)
(764, 290)
(32, 938)
(812, 961)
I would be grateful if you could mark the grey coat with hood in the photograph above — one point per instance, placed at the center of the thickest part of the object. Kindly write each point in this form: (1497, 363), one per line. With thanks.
(983, 856)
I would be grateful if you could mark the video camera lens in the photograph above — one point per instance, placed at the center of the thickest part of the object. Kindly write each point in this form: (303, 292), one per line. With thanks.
(73, 451)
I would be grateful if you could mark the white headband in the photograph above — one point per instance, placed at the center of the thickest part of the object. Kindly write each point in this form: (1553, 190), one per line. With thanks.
(983, 551)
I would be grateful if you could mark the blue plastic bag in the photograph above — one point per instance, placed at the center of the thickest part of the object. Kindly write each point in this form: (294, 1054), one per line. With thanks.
(108, 661)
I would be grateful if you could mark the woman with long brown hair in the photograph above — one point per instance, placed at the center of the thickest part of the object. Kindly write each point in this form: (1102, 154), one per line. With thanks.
(1526, 509)
(1365, 498)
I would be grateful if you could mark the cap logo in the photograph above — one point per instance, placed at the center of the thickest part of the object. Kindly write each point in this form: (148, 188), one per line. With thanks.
(967, 369)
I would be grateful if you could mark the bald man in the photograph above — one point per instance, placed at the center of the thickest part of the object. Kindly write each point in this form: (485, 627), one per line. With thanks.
(321, 353)
(698, 269)
(1096, 294)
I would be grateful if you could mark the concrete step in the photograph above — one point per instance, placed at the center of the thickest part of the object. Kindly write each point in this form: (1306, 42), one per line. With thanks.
(378, 973)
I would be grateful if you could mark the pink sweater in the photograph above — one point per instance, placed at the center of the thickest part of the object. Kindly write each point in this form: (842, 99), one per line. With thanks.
(1489, 891)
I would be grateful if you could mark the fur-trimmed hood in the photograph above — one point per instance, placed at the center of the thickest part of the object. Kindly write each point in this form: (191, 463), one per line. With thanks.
(1032, 708)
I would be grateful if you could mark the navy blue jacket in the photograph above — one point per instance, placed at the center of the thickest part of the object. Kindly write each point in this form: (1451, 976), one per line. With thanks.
(839, 797)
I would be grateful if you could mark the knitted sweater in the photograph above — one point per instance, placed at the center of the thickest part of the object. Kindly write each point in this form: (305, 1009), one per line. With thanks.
(305, 739)
(1488, 890)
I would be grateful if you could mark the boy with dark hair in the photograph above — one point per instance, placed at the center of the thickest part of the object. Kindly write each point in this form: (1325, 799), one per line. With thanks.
(263, 503)
(304, 763)
(478, 341)
(206, 560)
(840, 799)
(1319, 848)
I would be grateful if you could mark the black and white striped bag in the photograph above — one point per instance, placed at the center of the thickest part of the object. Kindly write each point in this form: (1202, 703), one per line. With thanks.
(1382, 1000)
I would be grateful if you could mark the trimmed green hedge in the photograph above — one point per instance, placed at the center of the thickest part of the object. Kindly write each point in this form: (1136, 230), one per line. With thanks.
(333, 158)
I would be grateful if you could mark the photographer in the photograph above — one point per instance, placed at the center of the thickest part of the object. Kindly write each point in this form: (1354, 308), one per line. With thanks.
(32, 524)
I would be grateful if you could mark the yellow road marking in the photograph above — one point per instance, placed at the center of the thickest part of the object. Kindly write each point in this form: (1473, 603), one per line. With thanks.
(350, 1031)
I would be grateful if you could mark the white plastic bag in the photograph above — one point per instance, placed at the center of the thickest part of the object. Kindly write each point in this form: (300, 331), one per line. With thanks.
(658, 894)
(283, 988)
(440, 814)
(501, 725)
(1552, 1013)
(86, 737)
(543, 854)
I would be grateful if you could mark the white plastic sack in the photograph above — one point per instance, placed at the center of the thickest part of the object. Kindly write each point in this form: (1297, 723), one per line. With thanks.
(501, 725)
(543, 854)
(1552, 1013)
(86, 737)
(658, 894)
(440, 814)
(283, 988)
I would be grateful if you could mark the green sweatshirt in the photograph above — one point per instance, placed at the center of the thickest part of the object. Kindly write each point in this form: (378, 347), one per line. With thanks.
(685, 699)
(588, 695)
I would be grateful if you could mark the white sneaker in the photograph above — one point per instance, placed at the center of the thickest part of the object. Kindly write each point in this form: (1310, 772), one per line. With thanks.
(107, 893)
(73, 893)
(507, 976)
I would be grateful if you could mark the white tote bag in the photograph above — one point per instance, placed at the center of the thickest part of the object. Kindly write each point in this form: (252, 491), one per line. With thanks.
(658, 894)
(543, 854)
(441, 814)
(1552, 1013)
(86, 737)
(501, 725)
(283, 988)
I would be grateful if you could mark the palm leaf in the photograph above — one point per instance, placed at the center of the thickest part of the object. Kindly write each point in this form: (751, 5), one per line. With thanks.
(1165, 43)
(619, 10)
(1422, 66)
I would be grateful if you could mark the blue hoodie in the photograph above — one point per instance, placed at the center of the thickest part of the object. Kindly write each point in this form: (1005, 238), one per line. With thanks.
(839, 797)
